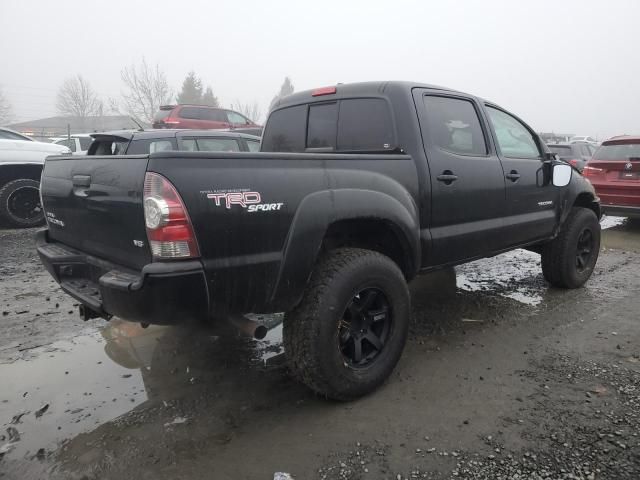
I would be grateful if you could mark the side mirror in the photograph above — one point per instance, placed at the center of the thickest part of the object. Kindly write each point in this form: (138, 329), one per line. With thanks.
(561, 175)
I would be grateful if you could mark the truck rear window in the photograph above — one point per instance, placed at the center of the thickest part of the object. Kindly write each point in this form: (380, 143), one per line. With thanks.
(350, 125)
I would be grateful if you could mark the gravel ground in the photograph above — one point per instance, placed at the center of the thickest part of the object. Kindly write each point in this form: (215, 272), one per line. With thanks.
(502, 378)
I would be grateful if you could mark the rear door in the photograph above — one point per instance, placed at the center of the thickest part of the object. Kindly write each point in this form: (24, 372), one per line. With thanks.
(467, 181)
(531, 199)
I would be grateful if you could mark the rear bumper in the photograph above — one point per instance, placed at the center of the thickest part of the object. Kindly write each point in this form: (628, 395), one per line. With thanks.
(621, 210)
(162, 293)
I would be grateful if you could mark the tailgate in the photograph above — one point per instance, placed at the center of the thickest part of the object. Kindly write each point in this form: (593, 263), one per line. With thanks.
(618, 170)
(94, 204)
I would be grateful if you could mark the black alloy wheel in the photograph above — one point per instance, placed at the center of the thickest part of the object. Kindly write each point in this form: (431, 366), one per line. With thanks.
(584, 249)
(365, 327)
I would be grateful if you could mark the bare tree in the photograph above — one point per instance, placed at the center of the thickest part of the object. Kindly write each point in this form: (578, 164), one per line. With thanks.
(77, 98)
(6, 112)
(146, 89)
(250, 110)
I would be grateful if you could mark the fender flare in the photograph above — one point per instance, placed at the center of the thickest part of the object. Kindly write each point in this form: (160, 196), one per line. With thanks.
(317, 212)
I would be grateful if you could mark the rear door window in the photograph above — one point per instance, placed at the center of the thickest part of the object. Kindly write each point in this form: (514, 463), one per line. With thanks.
(189, 145)
(218, 145)
(213, 115)
(365, 125)
(453, 125)
(193, 113)
(148, 145)
(514, 139)
(323, 126)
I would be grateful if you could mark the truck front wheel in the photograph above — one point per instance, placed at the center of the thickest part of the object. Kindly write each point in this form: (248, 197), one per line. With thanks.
(346, 336)
(568, 261)
(20, 203)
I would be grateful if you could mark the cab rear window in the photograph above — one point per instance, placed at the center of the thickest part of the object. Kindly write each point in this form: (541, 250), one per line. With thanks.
(350, 125)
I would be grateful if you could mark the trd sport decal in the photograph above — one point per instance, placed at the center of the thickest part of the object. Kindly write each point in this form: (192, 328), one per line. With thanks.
(251, 201)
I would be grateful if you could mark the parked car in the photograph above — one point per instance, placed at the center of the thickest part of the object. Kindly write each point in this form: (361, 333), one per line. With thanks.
(203, 117)
(8, 134)
(78, 143)
(583, 138)
(576, 153)
(135, 142)
(356, 189)
(21, 160)
(614, 171)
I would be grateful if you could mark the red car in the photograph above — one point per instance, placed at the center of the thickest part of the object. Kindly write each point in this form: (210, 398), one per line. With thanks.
(200, 117)
(614, 171)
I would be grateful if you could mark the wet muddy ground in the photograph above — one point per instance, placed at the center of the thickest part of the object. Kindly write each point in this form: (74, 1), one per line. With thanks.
(503, 377)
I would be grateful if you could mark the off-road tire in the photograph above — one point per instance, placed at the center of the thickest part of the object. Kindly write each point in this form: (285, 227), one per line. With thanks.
(310, 332)
(559, 263)
(10, 217)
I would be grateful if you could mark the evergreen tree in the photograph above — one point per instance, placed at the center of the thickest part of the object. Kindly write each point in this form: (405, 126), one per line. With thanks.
(191, 90)
(209, 98)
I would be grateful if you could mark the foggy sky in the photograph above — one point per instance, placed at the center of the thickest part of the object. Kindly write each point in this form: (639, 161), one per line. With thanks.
(563, 66)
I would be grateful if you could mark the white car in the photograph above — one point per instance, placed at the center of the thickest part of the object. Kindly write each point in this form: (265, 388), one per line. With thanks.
(584, 138)
(21, 161)
(78, 143)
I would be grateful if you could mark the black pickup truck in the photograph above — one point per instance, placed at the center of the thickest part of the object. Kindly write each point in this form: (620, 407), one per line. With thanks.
(357, 189)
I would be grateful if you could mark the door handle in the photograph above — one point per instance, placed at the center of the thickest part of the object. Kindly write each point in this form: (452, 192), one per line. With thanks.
(513, 175)
(447, 177)
(82, 180)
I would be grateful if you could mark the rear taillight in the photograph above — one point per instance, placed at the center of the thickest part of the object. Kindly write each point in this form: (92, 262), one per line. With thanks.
(168, 122)
(574, 162)
(169, 228)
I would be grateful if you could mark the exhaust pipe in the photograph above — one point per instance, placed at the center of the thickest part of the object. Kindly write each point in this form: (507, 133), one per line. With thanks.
(248, 327)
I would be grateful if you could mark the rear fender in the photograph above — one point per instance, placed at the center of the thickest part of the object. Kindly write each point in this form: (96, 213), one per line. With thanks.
(316, 213)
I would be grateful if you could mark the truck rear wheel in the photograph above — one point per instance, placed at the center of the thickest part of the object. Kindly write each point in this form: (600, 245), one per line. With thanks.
(568, 261)
(20, 203)
(348, 333)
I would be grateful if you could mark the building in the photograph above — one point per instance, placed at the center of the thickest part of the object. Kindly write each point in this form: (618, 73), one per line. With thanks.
(555, 137)
(59, 126)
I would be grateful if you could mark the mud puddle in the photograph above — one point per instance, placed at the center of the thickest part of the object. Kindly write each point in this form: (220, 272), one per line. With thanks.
(67, 388)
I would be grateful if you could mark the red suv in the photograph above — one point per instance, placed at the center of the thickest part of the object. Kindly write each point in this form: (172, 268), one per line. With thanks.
(614, 171)
(200, 117)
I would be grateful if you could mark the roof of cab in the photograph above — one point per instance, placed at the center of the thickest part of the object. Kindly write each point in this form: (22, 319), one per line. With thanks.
(356, 89)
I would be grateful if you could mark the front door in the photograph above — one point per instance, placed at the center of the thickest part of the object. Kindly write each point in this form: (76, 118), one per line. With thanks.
(467, 181)
(531, 198)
